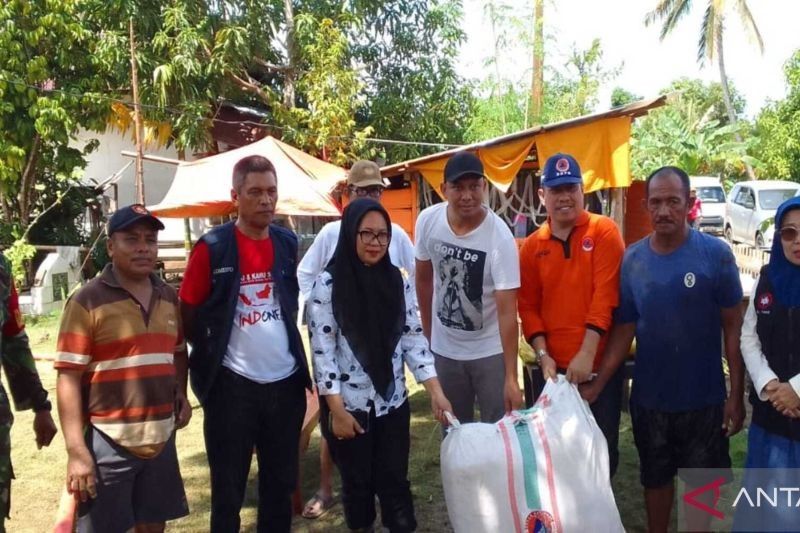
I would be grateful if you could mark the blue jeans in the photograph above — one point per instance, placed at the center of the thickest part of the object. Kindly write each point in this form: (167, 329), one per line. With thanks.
(239, 415)
(773, 454)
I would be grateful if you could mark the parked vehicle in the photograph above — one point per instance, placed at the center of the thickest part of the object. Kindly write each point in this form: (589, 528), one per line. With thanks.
(749, 204)
(712, 195)
(767, 228)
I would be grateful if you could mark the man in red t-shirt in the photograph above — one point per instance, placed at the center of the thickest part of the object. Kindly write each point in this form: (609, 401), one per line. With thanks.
(695, 209)
(247, 363)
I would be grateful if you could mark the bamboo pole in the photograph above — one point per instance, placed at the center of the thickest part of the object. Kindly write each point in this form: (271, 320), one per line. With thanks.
(137, 120)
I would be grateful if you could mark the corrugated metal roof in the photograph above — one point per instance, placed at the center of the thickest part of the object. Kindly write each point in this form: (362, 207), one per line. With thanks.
(633, 110)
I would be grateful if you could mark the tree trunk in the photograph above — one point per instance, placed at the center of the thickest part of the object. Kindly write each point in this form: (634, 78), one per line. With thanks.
(537, 82)
(498, 83)
(26, 184)
(187, 226)
(291, 56)
(6, 207)
(726, 95)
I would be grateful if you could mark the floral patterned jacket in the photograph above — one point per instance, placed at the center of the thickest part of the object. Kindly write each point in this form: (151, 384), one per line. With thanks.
(336, 369)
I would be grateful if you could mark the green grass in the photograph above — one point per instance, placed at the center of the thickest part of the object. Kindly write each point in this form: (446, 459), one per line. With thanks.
(42, 332)
(40, 473)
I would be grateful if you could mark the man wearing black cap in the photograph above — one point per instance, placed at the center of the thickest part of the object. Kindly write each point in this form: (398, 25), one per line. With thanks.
(570, 282)
(467, 278)
(122, 370)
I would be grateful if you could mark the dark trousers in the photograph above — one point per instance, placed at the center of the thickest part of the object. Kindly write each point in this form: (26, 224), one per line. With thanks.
(240, 415)
(375, 462)
(606, 410)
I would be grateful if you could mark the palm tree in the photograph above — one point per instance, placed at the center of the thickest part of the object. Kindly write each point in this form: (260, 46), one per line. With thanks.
(709, 44)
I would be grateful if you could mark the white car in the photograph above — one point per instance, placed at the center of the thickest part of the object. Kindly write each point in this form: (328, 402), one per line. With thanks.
(750, 203)
(767, 228)
(712, 198)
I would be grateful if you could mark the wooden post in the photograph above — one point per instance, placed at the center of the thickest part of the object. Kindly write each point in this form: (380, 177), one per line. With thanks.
(187, 228)
(618, 208)
(137, 120)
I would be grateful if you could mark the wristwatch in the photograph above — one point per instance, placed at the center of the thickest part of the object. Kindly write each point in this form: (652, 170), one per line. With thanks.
(540, 353)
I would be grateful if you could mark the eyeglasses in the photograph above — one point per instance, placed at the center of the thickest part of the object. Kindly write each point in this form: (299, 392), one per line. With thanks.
(373, 191)
(789, 233)
(369, 237)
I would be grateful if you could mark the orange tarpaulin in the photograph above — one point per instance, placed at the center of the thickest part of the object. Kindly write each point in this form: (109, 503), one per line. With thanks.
(202, 188)
(501, 163)
(601, 148)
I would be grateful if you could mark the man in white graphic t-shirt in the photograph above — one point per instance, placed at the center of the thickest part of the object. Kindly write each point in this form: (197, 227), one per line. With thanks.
(467, 277)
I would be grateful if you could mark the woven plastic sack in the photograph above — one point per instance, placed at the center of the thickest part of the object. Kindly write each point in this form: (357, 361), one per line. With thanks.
(544, 469)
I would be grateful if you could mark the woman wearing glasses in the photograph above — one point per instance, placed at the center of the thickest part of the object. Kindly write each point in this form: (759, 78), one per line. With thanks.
(771, 350)
(363, 325)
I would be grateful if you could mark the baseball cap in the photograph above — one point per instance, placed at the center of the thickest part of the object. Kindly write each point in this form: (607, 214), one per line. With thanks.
(461, 165)
(365, 174)
(561, 169)
(125, 217)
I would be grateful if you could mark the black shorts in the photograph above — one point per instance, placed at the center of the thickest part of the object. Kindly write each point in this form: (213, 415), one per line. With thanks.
(668, 441)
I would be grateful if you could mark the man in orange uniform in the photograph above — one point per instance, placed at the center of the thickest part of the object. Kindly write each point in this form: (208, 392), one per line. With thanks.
(569, 273)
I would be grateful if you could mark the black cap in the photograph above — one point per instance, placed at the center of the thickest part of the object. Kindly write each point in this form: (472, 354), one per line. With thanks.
(125, 217)
(462, 165)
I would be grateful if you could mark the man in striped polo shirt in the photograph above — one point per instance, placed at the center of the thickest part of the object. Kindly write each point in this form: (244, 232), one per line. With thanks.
(122, 370)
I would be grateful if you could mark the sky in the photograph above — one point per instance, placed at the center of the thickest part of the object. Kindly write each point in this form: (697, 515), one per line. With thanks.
(647, 64)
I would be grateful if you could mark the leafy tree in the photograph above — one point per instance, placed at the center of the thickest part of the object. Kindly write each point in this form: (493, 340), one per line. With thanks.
(708, 96)
(621, 97)
(409, 51)
(48, 91)
(498, 113)
(693, 130)
(685, 135)
(399, 56)
(331, 88)
(710, 41)
(778, 128)
(568, 92)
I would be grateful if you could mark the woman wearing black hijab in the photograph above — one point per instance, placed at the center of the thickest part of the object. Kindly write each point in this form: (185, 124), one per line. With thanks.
(770, 348)
(363, 325)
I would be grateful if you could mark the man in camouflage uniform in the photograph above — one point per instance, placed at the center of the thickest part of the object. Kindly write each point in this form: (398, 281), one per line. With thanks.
(23, 380)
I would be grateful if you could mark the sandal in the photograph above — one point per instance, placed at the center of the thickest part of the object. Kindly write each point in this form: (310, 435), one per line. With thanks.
(317, 506)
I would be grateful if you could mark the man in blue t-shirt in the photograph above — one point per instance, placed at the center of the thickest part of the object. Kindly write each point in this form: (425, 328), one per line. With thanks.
(678, 288)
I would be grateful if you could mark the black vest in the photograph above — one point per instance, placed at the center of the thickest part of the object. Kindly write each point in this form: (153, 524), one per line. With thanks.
(778, 329)
(214, 318)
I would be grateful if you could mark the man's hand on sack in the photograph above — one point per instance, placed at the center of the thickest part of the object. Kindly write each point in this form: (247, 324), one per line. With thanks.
(548, 366)
(580, 368)
(512, 394)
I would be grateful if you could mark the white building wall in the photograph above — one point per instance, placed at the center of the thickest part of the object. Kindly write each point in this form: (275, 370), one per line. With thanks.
(108, 159)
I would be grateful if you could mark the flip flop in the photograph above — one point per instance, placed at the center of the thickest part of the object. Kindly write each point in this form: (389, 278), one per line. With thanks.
(317, 506)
